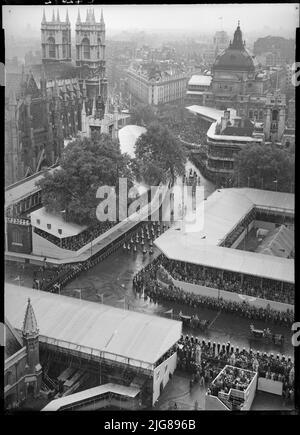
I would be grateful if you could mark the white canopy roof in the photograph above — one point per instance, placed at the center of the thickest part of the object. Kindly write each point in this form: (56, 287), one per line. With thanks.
(23, 188)
(223, 210)
(42, 219)
(200, 80)
(93, 327)
(206, 112)
(72, 399)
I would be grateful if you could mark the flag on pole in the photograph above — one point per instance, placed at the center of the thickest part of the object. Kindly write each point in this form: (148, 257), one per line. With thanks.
(169, 311)
(17, 278)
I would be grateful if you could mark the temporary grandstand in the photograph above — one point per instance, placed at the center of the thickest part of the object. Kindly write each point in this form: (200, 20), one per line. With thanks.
(101, 338)
(229, 214)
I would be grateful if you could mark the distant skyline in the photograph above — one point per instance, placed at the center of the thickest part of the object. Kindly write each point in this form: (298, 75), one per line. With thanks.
(277, 19)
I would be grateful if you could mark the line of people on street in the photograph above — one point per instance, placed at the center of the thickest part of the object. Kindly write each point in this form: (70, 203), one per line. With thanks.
(146, 282)
(230, 281)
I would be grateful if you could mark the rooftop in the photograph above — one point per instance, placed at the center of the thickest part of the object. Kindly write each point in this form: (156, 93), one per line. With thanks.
(205, 112)
(223, 210)
(56, 222)
(93, 328)
(200, 80)
(23, 188)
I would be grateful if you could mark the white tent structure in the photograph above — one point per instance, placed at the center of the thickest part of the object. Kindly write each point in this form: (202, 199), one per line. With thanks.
(95, 329)
(223, 211)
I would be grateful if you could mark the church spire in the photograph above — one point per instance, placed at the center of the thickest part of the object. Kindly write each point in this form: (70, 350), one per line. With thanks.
(44, 16)
(53, 16)
(102, 19)
(67, 17)
(58, 18)
(78, 17)
(30, 324)
(238, 38)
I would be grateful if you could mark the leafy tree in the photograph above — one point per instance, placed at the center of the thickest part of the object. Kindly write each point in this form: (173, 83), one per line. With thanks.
(260, 165)
(85, 166)
(143, 114)
(159, 155)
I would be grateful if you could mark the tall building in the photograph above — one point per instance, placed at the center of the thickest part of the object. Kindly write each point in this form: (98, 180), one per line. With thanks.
(90, 56)
(33, 127)
(274, 124)
(56, 39)
(226, 137)
(150, 85)
(22, 369)
(43, 107)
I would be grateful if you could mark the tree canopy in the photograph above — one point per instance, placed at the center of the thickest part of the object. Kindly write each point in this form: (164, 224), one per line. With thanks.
(260, 166)
(143, 114)
(159, 156)
(85, 166)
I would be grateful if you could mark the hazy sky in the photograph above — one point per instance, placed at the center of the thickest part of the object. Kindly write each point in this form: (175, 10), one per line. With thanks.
(278, 18)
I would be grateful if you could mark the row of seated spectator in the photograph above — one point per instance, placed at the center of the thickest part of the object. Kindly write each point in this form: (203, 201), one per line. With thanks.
(230, 281)
(76, 242)
(237, 231)
(146, 281)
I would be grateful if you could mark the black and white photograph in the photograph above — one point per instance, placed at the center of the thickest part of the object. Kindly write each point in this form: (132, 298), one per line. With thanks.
(149, 198)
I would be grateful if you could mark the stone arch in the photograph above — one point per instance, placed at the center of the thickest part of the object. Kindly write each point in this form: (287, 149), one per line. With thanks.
(51, 47)
(86, 48)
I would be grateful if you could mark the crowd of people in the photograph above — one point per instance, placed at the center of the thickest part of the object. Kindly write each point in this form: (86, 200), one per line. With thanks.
(144, 237)
(74, 243)
(214, 357)
(231, 377)
(146, 281)
(230, 281)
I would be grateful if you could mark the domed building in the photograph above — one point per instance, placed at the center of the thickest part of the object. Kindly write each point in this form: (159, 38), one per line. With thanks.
(237, 77)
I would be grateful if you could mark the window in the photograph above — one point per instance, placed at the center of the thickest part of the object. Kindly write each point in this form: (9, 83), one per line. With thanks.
(59, 231)
(65, 47)
(38, 221)
(86, 48)
(16, 237)
(51, 42)
(275, 115)
(49, 226)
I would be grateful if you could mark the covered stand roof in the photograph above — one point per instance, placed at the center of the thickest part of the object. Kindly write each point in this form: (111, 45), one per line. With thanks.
(25, 187)
(279, 242)
(222, 211)
(93, 328)
(52, 222)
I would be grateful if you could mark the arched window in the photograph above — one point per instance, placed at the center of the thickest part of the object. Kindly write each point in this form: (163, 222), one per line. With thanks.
(65, 47)
(275, 115)
(86, 48)
(16, 236)
(51, 43)
(261, 114)
(250, 114)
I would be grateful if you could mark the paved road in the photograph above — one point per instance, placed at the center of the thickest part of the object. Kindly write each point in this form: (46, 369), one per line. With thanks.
(113, 278)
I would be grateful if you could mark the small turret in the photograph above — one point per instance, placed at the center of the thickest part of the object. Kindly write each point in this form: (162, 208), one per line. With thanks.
(67, 17)
(53, 16)
(78, 17)
(57, 16)
(30, 328)
(44, 16)
(102, 19)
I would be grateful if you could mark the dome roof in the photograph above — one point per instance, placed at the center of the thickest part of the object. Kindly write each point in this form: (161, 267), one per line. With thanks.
(235, 57)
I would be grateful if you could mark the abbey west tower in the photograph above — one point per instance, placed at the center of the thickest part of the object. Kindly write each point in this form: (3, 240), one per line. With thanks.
(56, 39)
(90, 58)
